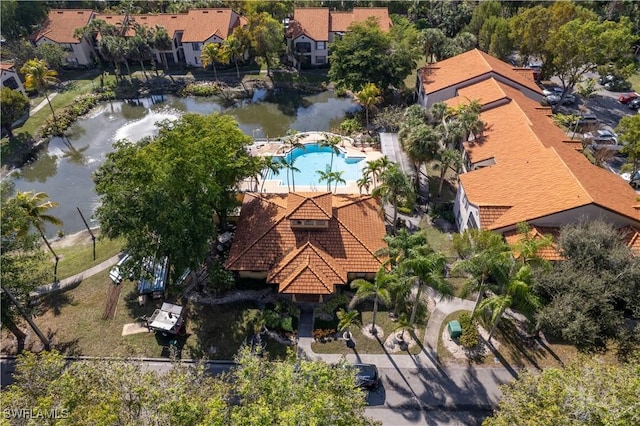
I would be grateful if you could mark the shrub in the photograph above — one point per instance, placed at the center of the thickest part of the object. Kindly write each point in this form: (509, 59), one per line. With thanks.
(287, 324)
(286, 307)
(200, 89)
(405, 210)
(271, 319)
(350, 126)
(333, 304)
(220, 280)
(470, 336)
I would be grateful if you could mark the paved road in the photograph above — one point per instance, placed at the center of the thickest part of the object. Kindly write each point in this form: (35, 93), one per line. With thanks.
(451, 396)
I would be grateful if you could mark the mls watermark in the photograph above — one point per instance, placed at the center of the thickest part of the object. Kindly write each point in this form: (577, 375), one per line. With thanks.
(34, 413)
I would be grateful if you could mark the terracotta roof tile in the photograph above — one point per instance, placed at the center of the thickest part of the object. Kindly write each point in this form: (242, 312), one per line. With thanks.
(550, 253)
(309, 206)
(467, 66)
(7, 66)
(631, 237)
(265, 241)
(311, 21)
(171, 22)
(61, 23)
(340, 21)
(201, 24)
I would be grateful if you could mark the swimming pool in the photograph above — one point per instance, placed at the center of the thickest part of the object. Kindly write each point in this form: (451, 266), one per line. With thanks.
(314, 157)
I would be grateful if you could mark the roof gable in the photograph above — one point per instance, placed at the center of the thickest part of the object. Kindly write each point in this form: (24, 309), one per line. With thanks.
(468, 66)
(309, 206)
(202, 24)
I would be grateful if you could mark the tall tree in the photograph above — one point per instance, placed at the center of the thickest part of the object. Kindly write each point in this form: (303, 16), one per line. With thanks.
(588, 293)
(333, 143)
(161, 194)
(378, 290)
(427, 269)
(162, 42)
(265, 34)
(629, 135)
(234, 49)
(421, 143)
(448, 159)
(23, 262)
(368, 55)
(39, 77)
(270, 166)
(394, 187)
(213, 53)
(368, 97)
(13, 105)
(36, 205)
(18, 18)
(589, 391)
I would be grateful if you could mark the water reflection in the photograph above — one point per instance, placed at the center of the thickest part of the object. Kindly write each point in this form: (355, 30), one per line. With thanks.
(64, 170)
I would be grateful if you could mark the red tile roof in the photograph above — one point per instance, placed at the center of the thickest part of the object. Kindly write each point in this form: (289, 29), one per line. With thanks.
(61, 23)
(467, 66)
(307, 260)
(170, 22)
(550, 252)
(202, 24)
(7, 66)
(317, 22)
(536, 172)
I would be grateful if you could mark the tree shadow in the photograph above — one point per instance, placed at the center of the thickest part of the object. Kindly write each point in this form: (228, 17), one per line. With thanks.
(55, 302)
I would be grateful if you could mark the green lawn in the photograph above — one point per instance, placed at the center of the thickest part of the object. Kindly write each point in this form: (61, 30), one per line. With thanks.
(365, 344)
(79, 257)
(635, 81)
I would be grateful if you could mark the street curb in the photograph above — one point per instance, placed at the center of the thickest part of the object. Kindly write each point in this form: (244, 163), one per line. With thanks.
(164, 360)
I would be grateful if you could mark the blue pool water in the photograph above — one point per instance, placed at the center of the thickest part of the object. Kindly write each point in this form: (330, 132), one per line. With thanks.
(315, 157)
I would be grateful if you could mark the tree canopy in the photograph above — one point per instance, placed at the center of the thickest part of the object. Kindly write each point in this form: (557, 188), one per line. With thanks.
(587, 392)
(256, 391)
(366, 54)
(589, 292)
(161, 193)
(13, 105)
(629, 135)
(265, 35)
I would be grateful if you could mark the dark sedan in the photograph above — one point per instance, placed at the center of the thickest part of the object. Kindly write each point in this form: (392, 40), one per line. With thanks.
(367, 376)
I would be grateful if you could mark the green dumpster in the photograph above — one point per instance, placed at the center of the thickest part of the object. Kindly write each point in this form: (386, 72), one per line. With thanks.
(455, 330)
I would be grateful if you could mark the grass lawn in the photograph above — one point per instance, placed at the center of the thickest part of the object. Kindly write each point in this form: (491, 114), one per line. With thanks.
(514, 350)
(410, 81)
(635, 81)
(74, 320)
(79, 257)
(365, 344)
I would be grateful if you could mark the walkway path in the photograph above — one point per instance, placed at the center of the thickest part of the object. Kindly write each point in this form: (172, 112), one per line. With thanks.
(75, 279)
(43, 103)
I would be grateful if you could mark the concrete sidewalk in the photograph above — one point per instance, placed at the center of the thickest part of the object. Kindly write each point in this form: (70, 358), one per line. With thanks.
(75, 279)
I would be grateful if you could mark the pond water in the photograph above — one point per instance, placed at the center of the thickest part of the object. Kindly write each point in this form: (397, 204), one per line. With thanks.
(64, 170)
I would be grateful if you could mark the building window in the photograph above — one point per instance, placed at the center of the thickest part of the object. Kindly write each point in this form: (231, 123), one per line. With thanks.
(67, 47)
(195, 47)
(321, 45)
(471, 222)
(321, 60)
(303, 47)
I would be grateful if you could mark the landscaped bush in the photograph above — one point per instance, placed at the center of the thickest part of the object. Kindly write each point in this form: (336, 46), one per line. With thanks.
(200, 89)
(287, 307)
(470, 336)
(405, 210)
(443, 211)
(329, 307)
(81, 105)
(350, 126)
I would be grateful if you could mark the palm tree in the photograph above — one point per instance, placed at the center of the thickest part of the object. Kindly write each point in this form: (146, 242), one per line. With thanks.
(378, 289)
(448, 159)
(36, 207)
(368, 97)
(162, 42)
(516, 293)
(336, 177)
(527, 248)
(290, 165)
(347, 320)
(485, 257)
(234, 50)
(399, 246)
(422, 146)
(394, 185)
(213, 53)
(38, 76)
(427, 270)
(375, 168)
(270, 166)
(402, 325)
(364, 182)
(333, 143)
(325, 177)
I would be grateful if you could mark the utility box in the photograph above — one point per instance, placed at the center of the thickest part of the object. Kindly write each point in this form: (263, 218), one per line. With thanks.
(455, 330)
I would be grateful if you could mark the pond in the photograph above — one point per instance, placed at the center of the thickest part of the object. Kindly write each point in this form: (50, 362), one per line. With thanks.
(64, 170)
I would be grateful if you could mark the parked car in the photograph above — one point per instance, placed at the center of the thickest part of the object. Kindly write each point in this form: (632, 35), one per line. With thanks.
(603, 139)
(555, 99)
(626, 98)
(635, 181)
(586, 120)
(367, 376)
(552, 90)
(635, 104)
(618, 85)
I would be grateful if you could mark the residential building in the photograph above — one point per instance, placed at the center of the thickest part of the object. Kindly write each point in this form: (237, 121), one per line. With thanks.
(522, 167)
(59, 27)
(308, 244)
(313, 28)
(10, 78)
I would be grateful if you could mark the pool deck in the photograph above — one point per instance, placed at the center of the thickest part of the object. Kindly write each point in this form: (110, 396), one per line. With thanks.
(278, 148)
